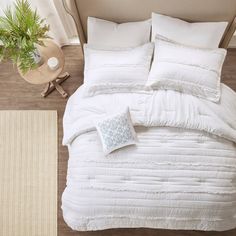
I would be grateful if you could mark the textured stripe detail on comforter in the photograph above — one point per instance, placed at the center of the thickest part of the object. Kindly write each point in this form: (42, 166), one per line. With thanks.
(173, 178)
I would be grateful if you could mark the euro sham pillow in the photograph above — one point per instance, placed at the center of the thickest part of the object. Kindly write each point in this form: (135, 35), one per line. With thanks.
(187, 69)
(116, 131)
(202, 34)
(107, 34)
(117, 66)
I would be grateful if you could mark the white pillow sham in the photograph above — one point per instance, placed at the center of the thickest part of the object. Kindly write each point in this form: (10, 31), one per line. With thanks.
(117, 66)
(116, 131)
(107, 34)
(187, 69)
(202, 34)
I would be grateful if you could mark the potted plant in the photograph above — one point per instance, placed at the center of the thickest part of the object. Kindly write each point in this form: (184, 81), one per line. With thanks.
(21, 30)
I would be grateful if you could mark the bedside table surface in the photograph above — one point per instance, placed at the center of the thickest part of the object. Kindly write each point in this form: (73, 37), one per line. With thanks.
(43, 74)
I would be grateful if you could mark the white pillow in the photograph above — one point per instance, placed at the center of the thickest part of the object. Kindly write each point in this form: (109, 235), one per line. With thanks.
(187, 69)
(117, 66)
(116, 131)
(102, 33)
(204, 34)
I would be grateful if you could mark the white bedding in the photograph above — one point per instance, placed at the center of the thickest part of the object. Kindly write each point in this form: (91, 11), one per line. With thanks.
(180, 175)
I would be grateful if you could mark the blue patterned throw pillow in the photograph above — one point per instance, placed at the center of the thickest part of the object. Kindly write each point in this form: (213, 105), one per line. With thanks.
(116, 131)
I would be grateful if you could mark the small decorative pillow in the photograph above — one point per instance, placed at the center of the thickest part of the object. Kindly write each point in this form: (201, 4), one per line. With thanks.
(112, 66)
(116, 131)
(187, 69)
(200, 34)
(107, 34)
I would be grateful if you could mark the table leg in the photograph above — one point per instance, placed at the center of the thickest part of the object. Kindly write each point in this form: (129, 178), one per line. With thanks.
(60, 89)
(56, 85)
(64, 76)
(45, 91)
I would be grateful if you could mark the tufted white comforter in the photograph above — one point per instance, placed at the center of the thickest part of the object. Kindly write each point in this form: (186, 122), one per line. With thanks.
(180, 175)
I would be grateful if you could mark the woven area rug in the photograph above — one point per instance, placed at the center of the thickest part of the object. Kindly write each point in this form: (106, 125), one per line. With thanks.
(28, 173)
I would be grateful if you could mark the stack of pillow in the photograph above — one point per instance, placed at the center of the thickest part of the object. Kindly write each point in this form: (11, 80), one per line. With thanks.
(187, 57)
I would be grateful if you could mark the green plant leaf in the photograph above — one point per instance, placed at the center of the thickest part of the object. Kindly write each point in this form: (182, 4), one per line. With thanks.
(21, 28)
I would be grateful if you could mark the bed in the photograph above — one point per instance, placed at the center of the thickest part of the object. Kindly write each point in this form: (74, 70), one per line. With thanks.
(181, 171)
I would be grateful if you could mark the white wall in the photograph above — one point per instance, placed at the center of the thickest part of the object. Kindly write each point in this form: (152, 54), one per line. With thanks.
(4, 4)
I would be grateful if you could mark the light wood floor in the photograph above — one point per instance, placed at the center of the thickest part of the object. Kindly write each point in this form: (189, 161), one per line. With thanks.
(16, 94)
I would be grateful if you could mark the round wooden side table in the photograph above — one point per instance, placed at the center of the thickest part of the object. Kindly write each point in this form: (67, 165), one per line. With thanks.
(44, 75)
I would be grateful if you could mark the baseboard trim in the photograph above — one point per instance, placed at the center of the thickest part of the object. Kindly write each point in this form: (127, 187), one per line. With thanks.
(233, 42)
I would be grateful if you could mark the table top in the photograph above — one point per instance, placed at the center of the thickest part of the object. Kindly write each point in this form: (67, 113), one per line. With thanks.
(43, 74)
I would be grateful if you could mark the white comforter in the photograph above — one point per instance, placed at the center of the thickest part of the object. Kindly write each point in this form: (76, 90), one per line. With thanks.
(180, 175)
